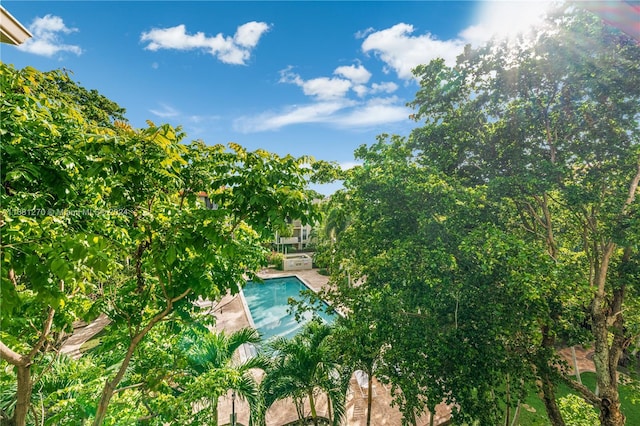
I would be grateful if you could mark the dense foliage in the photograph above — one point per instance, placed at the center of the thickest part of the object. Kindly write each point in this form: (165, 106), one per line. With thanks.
(100, 217)
(506, 225)
(301, 368)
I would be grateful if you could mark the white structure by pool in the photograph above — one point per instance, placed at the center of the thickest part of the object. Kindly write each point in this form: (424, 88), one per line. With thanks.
(297, 262)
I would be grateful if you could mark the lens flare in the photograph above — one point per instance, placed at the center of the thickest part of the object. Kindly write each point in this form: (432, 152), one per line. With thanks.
(505, 19)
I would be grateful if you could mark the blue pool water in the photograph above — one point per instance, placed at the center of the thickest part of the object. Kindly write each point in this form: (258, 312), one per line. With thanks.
(268, 306)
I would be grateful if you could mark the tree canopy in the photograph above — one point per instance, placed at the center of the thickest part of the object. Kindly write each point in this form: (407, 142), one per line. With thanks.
(507, 222)
(100, 217)
(505, 225)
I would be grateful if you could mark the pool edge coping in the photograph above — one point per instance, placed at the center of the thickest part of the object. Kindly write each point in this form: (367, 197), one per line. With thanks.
(247, 311)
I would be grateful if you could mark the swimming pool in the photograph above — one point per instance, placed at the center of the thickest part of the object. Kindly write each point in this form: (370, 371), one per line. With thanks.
(268, 307)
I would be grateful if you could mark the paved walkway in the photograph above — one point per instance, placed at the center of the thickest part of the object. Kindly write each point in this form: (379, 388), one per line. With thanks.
(82, 334)
(584, 359)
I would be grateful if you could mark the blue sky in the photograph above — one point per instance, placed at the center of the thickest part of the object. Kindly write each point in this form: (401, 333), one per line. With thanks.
(300, 78)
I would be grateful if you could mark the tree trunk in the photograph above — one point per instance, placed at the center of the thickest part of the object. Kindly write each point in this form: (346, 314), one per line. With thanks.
(549, 399)
(606, 357)
(110, 385)
(22, 363)
(516, 414)
(369, 392)
(607, 319)
(414, 418)
(547, 384)
(299, 402)
(508, 404)
(23, 402)
(24, 386)
(312, 405)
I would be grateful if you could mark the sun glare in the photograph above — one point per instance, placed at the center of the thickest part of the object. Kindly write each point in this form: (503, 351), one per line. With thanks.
(506, 19)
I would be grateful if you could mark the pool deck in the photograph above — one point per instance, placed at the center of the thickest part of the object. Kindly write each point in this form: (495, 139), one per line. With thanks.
(231, 316)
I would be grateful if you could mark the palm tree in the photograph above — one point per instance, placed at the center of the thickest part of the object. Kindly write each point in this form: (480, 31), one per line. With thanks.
(300, 368)
(335, 221)
(360, 338)
(212, 370)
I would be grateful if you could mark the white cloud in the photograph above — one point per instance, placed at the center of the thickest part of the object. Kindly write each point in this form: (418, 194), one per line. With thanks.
(322, 88)
(173, 38)
(386, 87)
(46, 40)
(375, 112)
(203, 118)
(349, 165)
(348, 99)
(331, 103)
(364, 33)
(504, 19)
(373, 115)
(402, 51)
(311, 113)
(342, 113)
(249, 34)
(49, 24)
(326, 88)
(357, 74)
(229, 50)
(167, 111)
(360, 89)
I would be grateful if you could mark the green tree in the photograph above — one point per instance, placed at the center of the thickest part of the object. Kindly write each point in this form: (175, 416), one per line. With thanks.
(335, 220)
(174, 250)
(357, 339)
(52, 204)
(92, 105)
(98, 216)
(301, 367)
(577, 412)
(212, 371)
(550, 125)
(439, 301)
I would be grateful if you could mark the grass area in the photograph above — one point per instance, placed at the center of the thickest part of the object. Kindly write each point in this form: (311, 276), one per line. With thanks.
(534, 414)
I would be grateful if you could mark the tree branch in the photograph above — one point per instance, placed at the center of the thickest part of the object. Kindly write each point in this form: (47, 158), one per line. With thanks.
(122, 389)
(584, 391)
(11, 356)
(45, 333)
(547, 217)
(109, 387)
